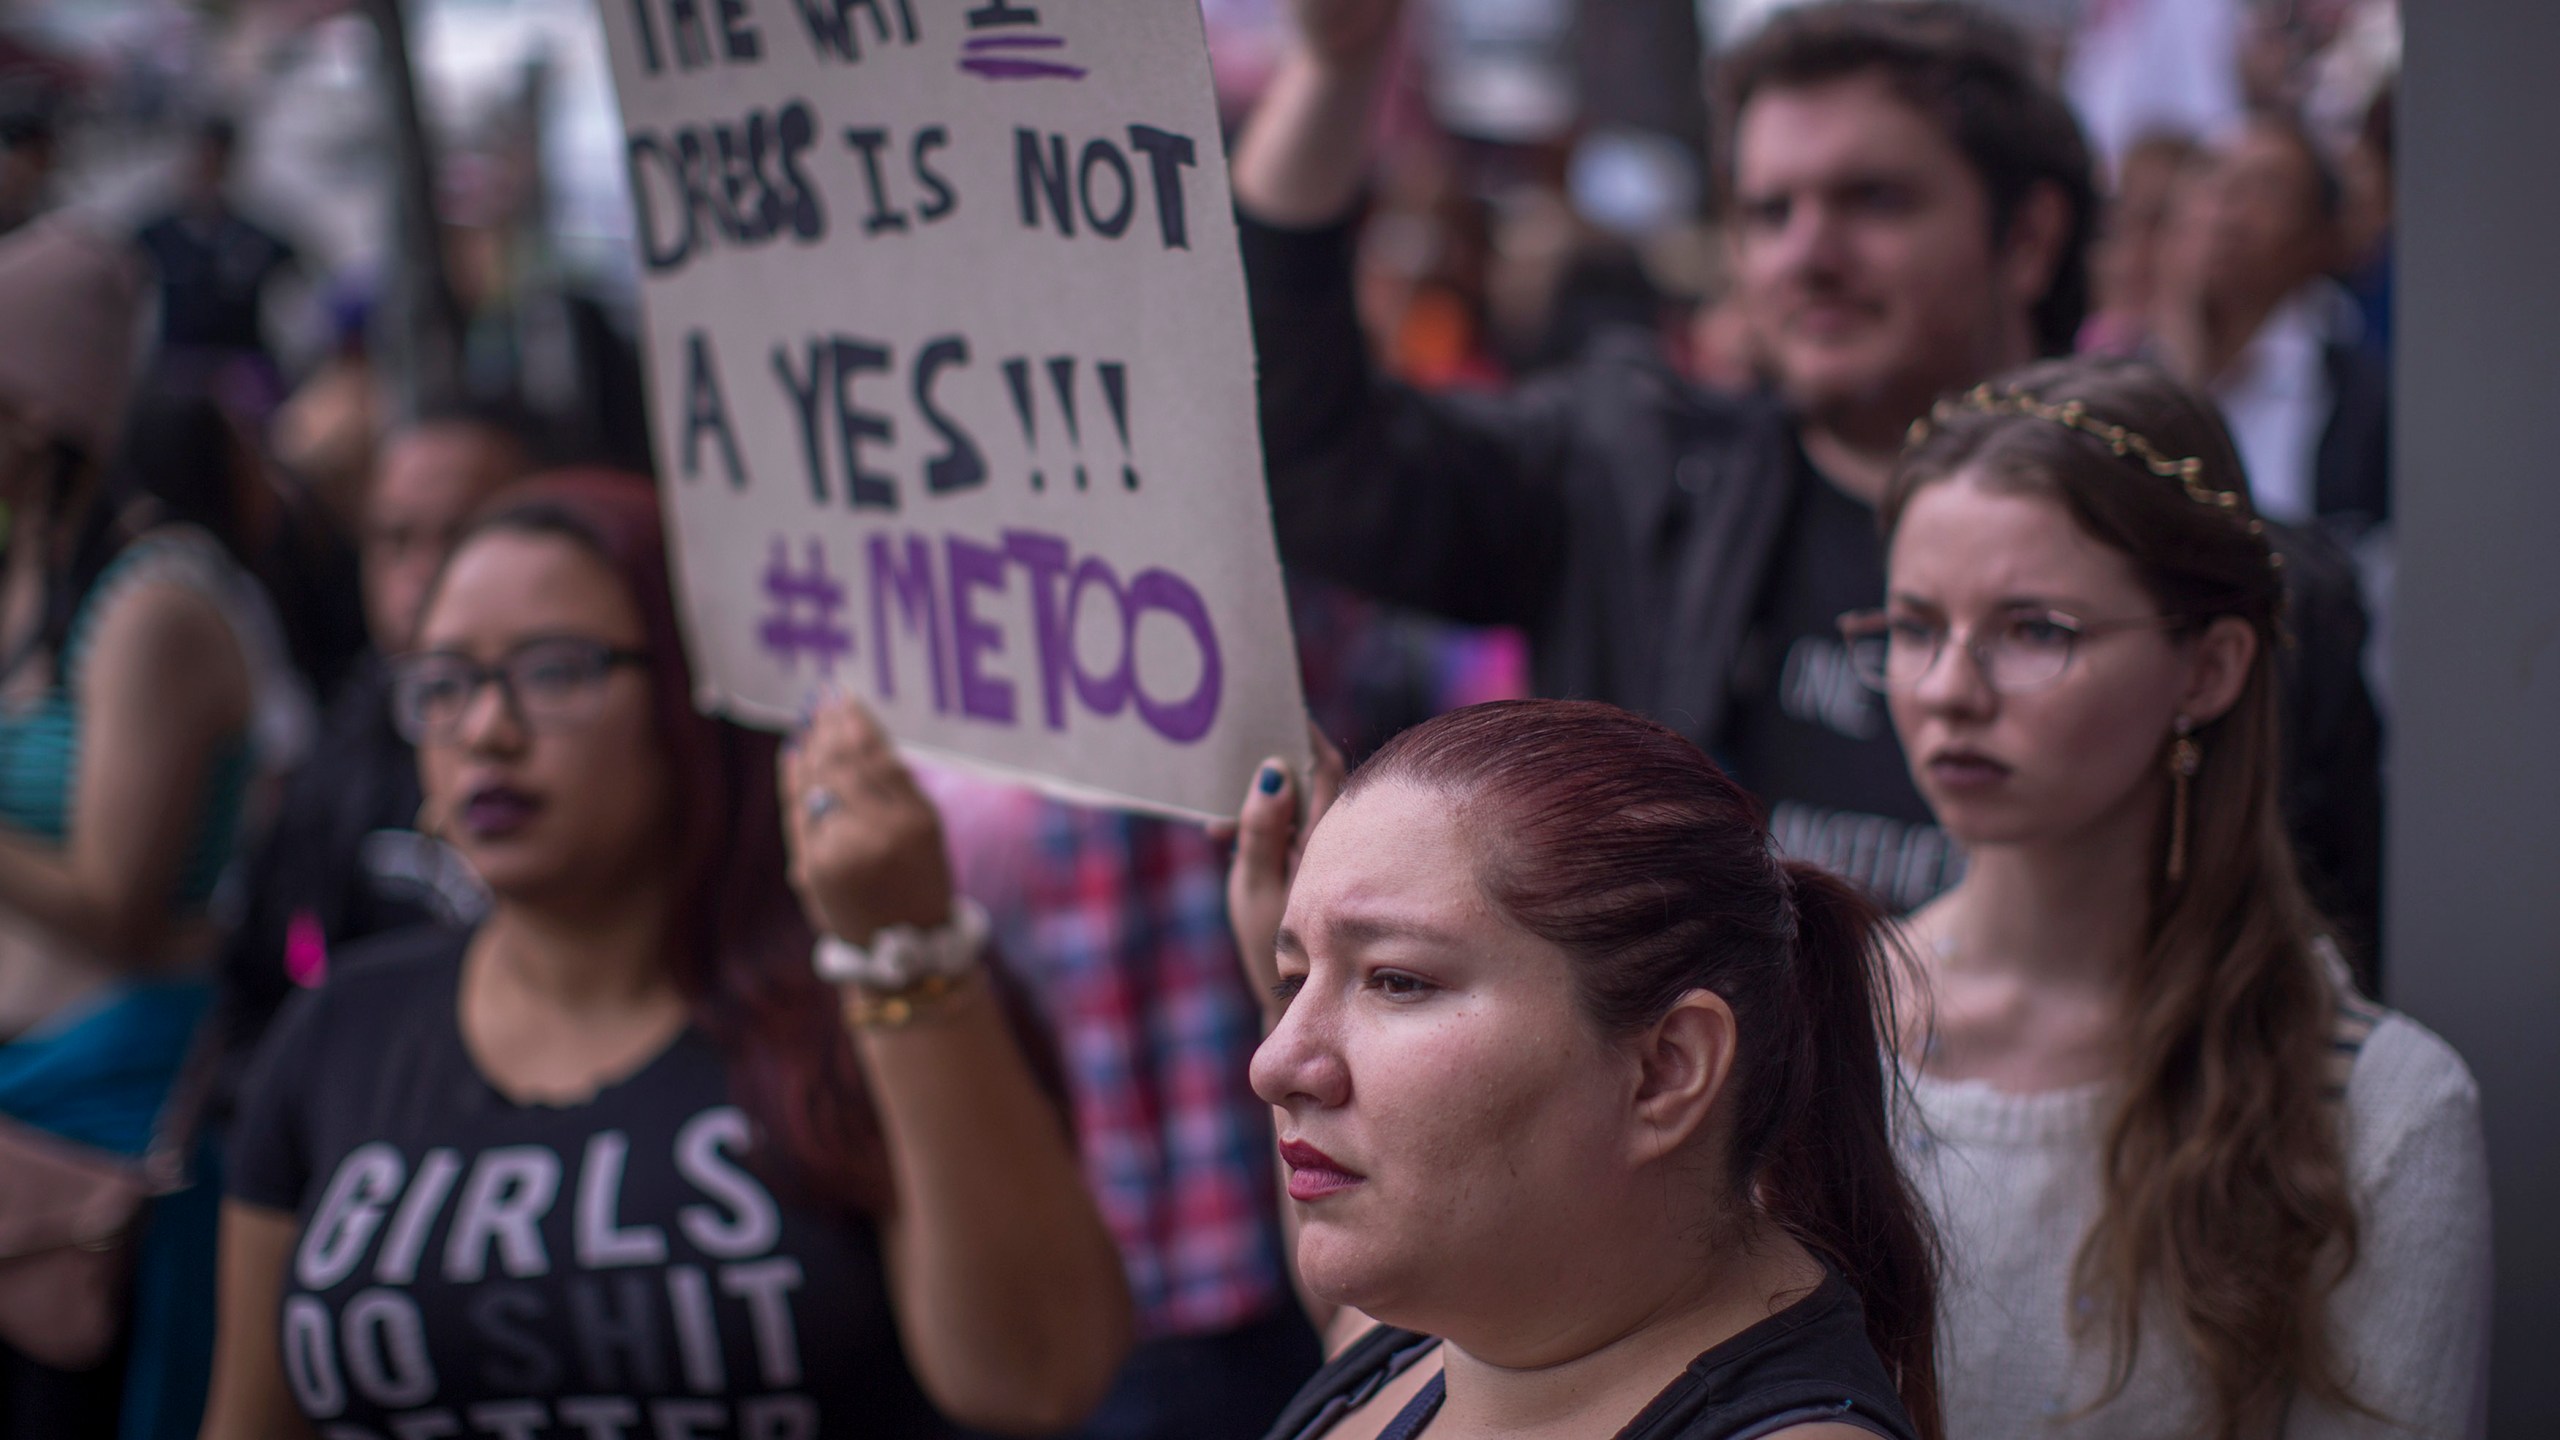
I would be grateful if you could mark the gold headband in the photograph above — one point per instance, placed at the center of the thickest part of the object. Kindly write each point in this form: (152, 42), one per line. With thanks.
(2188, 472)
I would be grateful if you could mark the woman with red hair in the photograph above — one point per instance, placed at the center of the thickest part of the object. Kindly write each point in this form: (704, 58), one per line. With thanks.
(622, 1161)
(1582, 1094)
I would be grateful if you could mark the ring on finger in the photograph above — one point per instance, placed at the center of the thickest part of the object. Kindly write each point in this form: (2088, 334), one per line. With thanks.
(818, 802)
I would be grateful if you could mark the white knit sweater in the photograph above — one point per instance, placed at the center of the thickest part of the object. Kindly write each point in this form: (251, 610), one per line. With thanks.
(2012, 1180)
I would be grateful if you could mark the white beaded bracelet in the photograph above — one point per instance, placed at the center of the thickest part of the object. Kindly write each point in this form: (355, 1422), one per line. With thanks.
(900, 956)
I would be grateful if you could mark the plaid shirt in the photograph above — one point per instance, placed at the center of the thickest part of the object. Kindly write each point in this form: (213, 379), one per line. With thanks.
(1117, 925)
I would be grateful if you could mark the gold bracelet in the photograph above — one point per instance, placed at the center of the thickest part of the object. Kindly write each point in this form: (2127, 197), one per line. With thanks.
(897, 1009)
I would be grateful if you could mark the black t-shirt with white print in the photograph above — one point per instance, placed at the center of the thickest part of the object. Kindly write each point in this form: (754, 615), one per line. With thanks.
(467, 1266)
(1806, 735)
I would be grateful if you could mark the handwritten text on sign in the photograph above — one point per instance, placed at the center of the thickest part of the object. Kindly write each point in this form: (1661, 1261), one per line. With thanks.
(953, 380)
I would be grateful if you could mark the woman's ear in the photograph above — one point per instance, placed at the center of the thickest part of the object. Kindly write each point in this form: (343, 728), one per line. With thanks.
(2219, 669)
(1683, 1061)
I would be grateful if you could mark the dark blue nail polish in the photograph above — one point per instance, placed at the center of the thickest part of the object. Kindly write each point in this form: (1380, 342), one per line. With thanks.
(1270, 780)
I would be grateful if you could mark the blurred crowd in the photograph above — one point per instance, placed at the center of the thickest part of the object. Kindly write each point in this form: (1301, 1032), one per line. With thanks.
(266, 405)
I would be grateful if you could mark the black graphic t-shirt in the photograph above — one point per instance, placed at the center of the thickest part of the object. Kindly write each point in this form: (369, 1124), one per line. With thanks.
(1805, 736)
(468, 1266)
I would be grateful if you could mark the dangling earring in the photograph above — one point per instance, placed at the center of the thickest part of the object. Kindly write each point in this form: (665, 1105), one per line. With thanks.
(2186, 757)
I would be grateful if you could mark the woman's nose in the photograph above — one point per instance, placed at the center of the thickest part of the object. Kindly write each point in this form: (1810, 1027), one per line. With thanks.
(1301, 1060)
(491, 720)
(1956, 682)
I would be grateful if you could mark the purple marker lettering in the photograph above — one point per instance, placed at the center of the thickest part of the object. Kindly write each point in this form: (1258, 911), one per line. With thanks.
(974, 567)
(919, 603)
(1190, 718)
(1108, 693)
(1046, 556)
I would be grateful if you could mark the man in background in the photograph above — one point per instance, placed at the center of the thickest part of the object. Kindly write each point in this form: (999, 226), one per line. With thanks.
(2250, 314)
(215, 266)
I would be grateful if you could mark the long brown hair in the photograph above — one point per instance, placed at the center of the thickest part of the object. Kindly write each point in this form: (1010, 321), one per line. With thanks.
(2225, 1179)
(738, 944)
(1622, 843)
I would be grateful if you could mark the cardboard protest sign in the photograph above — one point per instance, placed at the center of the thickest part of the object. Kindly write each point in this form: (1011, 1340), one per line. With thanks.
(952, 381)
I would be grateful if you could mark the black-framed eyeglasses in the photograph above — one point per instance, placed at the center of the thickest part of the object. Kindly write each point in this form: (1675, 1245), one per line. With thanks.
(2014, 651)
(551, 682)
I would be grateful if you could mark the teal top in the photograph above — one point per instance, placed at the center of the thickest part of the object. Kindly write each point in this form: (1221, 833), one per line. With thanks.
(40, 745)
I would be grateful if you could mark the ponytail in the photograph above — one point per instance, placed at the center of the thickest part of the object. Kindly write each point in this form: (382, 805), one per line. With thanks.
(1622, 844)
(1830, 1175)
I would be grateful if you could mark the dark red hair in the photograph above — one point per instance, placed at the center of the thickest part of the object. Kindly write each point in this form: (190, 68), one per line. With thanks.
(738, 942)
(1622, 843)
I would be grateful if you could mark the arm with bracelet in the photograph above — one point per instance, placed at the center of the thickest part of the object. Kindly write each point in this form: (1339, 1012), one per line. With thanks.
(1004, 1276)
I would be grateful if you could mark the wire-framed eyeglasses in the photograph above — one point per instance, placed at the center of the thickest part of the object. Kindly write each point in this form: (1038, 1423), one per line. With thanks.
(552, 682)
(2014, 651)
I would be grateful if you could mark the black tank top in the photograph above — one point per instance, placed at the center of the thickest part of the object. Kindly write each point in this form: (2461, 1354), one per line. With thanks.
(1809, 1362)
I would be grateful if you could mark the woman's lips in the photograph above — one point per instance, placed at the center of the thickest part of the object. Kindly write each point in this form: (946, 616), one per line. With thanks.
(495, 812)
(1314, 1175)
(1966, 770)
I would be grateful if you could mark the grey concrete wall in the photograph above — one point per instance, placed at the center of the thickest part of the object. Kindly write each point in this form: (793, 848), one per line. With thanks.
(2475, 752)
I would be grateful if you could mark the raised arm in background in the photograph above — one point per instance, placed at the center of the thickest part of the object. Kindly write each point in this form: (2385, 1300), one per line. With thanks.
(1448, 504)
(1305, 153)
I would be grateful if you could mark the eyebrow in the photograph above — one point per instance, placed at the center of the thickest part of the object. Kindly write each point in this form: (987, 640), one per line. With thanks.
(526, 642)
(1360, 932)
(1862, 173)
(2006, 602)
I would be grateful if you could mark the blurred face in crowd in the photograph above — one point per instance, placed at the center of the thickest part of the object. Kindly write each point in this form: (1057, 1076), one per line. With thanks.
(554, 786)
(209, 168)
(2086, 749)
(427, 484)
(2124, 263)
(1864, 255)
(1452, 1120)
(2257, 216)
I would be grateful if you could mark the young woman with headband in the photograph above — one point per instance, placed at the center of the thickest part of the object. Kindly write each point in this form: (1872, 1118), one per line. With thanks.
(2191, 1184)
(1582, 1094)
